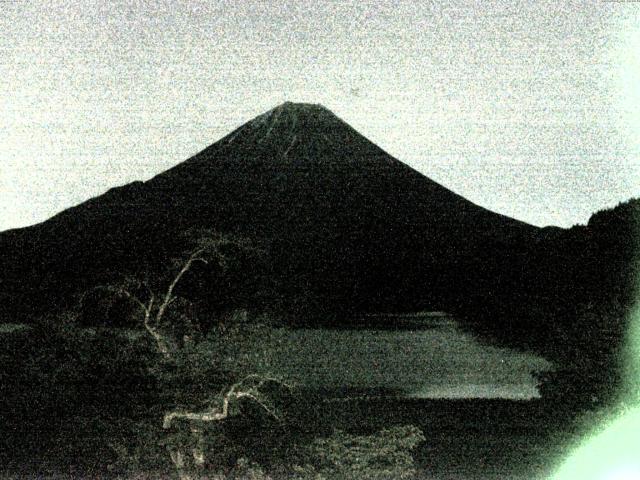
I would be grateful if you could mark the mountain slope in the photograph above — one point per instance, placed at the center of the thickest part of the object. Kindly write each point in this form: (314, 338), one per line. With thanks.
(344, 224)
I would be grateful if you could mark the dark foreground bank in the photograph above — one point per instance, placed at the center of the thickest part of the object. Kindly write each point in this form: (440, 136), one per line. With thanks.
(464, 439)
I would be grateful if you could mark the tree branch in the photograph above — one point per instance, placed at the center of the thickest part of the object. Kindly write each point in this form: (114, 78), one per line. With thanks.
(168, 298)
(259, 402)
(215, 414)
(130, 296)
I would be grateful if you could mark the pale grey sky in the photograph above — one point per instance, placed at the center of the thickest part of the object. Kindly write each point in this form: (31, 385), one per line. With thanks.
(531, 109)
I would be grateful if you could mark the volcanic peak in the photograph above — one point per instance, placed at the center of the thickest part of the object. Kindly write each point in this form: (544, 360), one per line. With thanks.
(289, 115)
(294, 130)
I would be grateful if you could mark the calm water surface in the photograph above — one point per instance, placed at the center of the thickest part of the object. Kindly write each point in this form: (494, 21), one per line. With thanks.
(424, 357)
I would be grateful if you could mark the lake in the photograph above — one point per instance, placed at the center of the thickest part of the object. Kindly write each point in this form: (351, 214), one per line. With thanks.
(427, 356)
(422, 356)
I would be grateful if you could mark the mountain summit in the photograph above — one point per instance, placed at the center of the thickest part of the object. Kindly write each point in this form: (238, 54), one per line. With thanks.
(343, 223)
(295, 134)
(291, 127)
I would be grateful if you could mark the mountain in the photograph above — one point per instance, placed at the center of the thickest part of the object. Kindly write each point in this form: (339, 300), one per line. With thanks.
(343, 225)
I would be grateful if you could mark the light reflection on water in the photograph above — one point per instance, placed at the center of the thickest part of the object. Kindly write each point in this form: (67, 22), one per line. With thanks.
(522, 391)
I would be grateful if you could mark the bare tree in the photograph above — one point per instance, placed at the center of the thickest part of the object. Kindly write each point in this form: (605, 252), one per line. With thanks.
(154, 304)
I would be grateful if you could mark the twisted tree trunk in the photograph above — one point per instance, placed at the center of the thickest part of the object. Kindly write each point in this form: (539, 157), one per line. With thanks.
(188, 459)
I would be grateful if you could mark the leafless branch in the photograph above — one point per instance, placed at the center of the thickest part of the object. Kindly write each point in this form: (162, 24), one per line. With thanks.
(168, 297)
(233, 393)
(135, 299)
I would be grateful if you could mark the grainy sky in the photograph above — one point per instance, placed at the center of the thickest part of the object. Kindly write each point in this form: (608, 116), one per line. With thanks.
(531, 109)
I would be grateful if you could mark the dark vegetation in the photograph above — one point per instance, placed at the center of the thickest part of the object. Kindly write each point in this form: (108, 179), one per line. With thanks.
(312, 221)
(569, 298)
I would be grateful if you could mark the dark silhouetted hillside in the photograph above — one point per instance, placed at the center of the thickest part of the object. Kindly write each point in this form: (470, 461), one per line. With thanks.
(572, 302)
